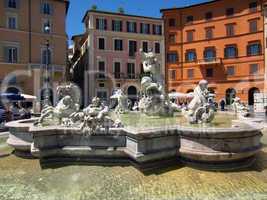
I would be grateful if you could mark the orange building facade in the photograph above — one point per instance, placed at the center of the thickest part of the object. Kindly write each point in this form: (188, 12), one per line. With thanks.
(221, 41)
(23, 38)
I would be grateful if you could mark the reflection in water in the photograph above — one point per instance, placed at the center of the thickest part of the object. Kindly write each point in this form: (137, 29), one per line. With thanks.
(137, 120)
(23, 179)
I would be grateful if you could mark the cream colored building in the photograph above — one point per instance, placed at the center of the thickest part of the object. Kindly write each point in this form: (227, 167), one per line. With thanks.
(23, 40)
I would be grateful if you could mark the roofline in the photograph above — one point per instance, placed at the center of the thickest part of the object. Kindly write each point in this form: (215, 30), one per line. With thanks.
(67, 5)
(118, 14)
(190, 6)
(79, 35)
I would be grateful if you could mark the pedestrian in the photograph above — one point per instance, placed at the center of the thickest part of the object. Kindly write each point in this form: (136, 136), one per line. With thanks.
(222, 104)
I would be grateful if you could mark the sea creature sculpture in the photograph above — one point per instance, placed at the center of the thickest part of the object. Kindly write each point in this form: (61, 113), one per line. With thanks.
(200, 109)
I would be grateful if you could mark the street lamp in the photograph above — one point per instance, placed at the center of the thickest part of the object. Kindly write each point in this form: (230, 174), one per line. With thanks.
(47, 95)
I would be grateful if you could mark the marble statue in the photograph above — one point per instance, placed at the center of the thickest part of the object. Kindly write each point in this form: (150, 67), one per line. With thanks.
(240, 108)
(200, 109)
(153, 99)
(67, 113)
(69, 98)
(122, 100)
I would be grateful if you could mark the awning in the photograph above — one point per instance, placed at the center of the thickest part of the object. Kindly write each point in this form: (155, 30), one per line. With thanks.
(11, 97)
(29, 97)
(177, 95)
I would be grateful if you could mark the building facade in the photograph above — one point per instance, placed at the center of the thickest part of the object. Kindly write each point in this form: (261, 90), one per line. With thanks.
(112, 48)
(221, 41)
(32, 35)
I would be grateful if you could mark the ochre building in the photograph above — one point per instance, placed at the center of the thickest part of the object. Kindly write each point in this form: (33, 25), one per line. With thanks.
(221, 41)
(25, 28)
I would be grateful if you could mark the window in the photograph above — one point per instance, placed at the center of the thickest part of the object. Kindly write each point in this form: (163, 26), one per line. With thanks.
(209, 54)
(253, 6)
(230, 71)
(101, 85)
(254, 49)
(172, 22)
(101, 43)
(157, 47)
(253, 69)
(118, 85)
(190, 56)
(118, 45)
(190, 36)
(117, 70)
(253, 25)
(103, 95)
(208, 16)
(46, 57)
(117, 25)
(11, 54)
(172, 57)
(189, 19)
(172, 38)
(230, 51)
(101, 69)
(131, 70)
(145, 46)
(46, 27)
(173, 74)
(101, 24)
(209, 33)
(46, 9)
(12, 4)
(230, 30)
(12, 22)
(209, 72)
(229, 12)
(131, 27)
(157, 29)
(132, 48)
(190, 73)
(144, 28)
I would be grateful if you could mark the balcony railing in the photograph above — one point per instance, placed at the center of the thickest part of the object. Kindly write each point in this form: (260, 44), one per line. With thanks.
(132, 54)
(118, 75)
(101, 76)
(209, 61)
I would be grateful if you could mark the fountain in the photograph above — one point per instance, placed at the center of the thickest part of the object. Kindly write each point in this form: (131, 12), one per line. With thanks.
(153, 136)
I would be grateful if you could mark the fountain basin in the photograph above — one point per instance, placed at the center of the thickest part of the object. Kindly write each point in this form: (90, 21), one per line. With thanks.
(207, 146)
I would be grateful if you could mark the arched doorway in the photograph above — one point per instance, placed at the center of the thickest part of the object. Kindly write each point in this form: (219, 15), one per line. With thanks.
(251, 93)
(230, 94)
(189, 91)
(132, 93)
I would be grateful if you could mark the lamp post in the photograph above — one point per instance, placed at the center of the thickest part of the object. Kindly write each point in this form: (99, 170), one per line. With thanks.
(47, 95)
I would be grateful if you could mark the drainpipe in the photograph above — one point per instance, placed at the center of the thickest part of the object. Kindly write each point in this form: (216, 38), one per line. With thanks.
(30, 30)
(182, 44)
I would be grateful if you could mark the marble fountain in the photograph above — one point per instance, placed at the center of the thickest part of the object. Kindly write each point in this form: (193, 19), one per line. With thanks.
(158, 134)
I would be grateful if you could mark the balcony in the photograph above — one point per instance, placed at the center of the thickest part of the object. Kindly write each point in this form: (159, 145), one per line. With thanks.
(118, 75)
(132, 54)
(101, 76)
(132, 76)
(209, 61)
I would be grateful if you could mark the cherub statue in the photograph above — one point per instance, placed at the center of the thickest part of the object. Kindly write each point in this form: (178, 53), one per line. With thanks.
(122, 100)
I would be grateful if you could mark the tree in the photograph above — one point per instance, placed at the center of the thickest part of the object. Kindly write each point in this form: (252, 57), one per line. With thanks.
(121, 10)
(94, 7)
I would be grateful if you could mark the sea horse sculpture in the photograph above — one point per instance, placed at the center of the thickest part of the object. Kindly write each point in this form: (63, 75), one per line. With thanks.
(200, 109)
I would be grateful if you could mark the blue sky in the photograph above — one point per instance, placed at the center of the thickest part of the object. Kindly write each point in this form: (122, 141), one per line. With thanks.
(137, 7)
